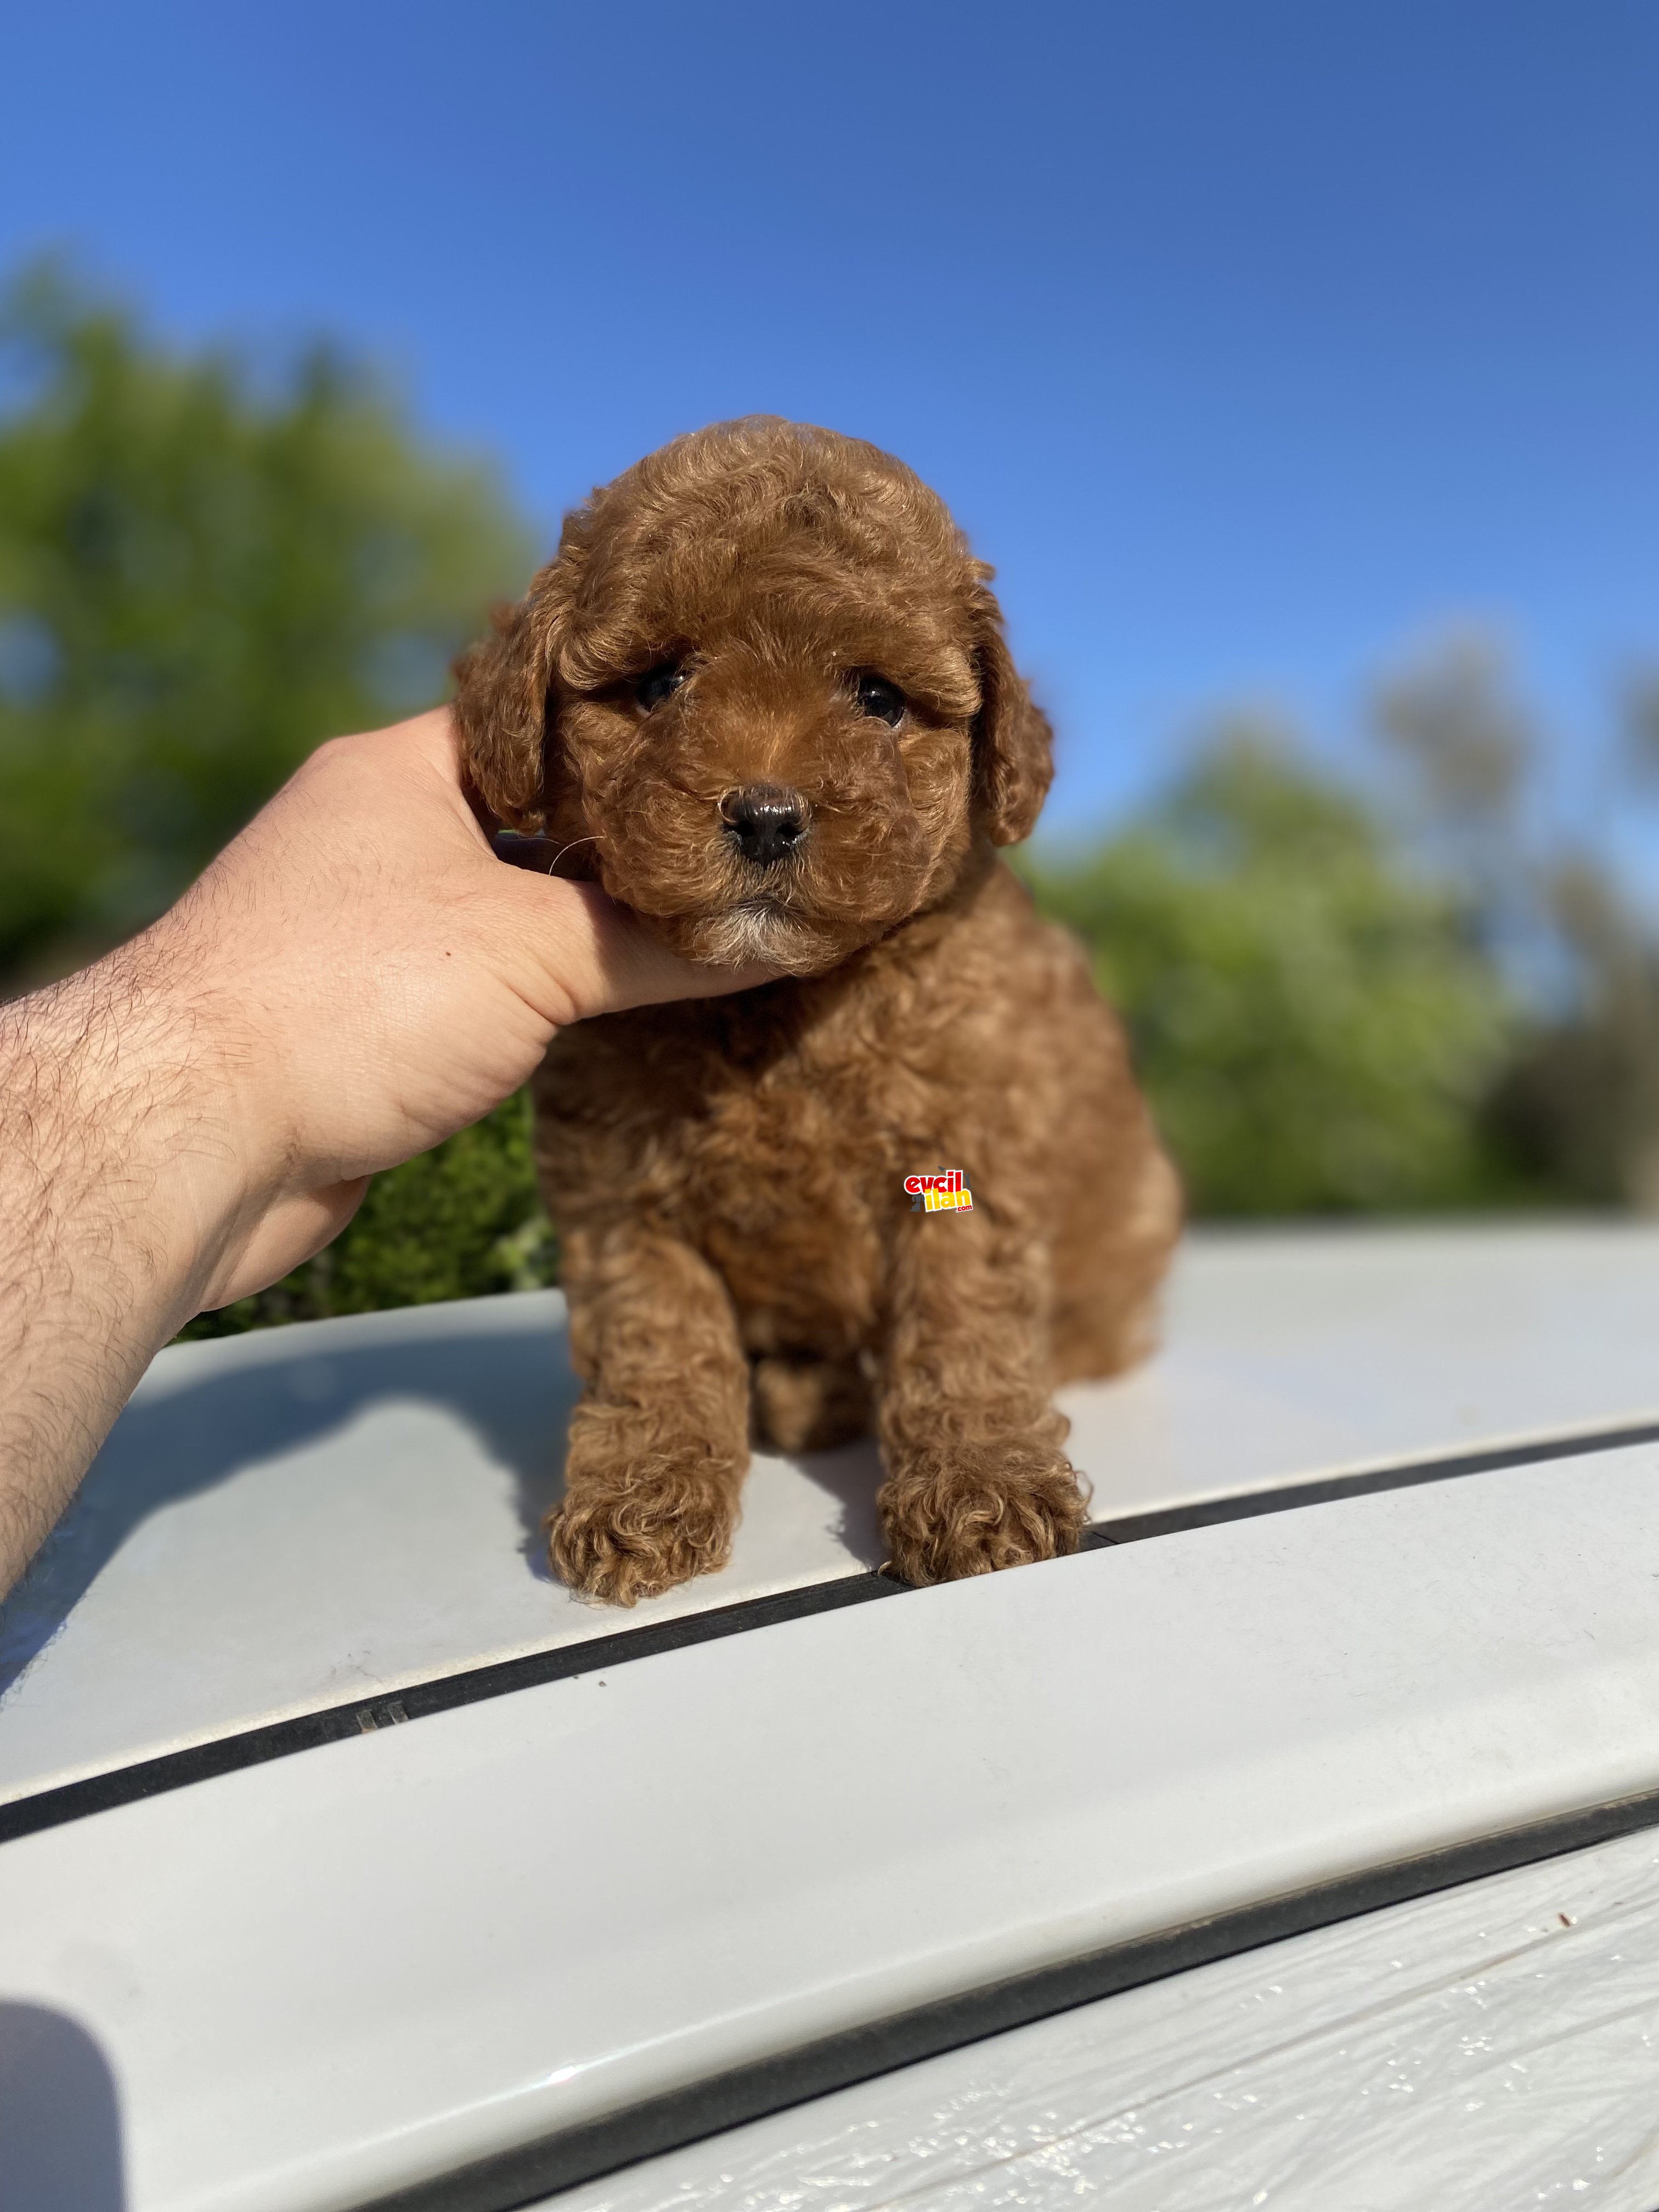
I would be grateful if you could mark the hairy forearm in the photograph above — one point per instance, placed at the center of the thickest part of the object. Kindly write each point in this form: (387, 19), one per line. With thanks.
(99, 1263)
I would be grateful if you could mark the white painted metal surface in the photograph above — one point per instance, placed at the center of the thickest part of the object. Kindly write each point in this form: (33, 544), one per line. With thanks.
(322, 1514)
(1491, 2047)
(1296, 1354)
(316, 1978)
(300, 1518)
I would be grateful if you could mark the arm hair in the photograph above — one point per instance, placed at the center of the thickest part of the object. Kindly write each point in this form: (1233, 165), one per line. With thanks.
(92, 1278)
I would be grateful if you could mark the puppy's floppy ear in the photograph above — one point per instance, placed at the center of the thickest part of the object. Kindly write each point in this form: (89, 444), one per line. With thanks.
(503, 709)
(1013, 744)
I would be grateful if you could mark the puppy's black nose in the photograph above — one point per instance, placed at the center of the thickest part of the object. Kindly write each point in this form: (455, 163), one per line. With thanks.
(764, 822)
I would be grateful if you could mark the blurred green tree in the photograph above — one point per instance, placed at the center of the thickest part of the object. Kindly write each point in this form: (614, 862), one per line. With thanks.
(1575, 1106)
(202, 574)
(204, 571)
(1316, 1022)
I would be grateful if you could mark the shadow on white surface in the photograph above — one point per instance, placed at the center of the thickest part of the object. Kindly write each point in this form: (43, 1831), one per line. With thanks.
(60, 2117)
(174, 1443)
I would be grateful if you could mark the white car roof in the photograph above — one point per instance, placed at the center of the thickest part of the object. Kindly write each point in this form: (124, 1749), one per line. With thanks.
(624, 1879)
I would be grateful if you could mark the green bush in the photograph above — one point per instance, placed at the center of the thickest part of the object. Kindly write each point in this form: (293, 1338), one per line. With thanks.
(460, 1221)
(1315, 1025)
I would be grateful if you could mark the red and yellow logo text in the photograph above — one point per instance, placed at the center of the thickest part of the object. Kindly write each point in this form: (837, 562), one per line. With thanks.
(945, 1192)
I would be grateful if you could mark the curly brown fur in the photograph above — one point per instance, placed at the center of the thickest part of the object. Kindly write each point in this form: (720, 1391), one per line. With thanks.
(727, 1174)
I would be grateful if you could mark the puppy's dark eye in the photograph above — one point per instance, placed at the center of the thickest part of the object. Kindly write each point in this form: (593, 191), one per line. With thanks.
(655, 685)
(883, 700)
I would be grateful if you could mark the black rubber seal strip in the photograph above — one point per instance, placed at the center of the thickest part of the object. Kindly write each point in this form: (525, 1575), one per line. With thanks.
(1287, 1497)
(513, 2179)
(201, 1762)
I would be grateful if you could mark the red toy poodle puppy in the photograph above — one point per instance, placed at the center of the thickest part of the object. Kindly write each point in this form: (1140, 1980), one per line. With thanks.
(762, 694)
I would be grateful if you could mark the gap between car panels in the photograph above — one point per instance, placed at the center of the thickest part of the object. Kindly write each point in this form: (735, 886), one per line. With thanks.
(253, 1746)
(524, 2176)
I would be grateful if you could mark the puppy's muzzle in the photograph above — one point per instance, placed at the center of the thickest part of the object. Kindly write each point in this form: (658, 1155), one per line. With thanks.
(764, 821)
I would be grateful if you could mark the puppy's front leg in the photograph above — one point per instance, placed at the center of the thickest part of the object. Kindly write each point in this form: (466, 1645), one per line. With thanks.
(660, 1443)
(977, 1477)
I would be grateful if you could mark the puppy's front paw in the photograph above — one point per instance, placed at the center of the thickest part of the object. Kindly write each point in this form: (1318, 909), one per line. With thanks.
(632, 1532)
(979, 1507)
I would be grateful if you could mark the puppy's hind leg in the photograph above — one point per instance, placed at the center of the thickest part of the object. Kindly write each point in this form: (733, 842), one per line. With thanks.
(805, 1404)
(1109, 1269)
(659, 1441)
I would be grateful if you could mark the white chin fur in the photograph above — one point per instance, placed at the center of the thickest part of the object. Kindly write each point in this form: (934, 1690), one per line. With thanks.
(757, 936)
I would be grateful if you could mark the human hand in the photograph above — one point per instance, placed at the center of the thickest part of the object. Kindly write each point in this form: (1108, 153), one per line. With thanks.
(355, 977)
(373, 979)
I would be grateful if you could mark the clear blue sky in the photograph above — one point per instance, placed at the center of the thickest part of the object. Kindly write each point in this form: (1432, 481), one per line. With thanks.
(1252, 339)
